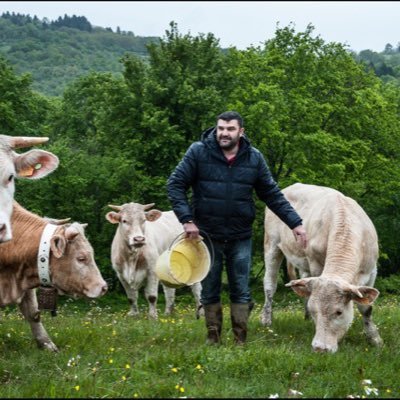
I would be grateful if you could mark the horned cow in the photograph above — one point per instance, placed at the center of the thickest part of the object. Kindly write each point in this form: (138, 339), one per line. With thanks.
(337, 268)
(142, 235)
(45, 254)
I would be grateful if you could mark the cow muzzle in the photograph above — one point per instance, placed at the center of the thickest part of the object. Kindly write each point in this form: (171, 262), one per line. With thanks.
(319, 347)
(5, 233)
(97, 291)
(137, 242)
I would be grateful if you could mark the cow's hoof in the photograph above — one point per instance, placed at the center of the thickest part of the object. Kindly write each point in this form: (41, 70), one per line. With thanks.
(169, 312)
(48, 346)
(377, 341)
(199, 313)
(265, 320)
(133, 314)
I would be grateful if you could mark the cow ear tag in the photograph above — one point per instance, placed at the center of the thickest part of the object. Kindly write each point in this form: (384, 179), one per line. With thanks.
(28, 171)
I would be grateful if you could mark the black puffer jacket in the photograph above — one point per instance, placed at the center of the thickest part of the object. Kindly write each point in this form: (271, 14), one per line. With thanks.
(222, 202)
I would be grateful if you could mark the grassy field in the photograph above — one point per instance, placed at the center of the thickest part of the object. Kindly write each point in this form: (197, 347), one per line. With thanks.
(105, 354)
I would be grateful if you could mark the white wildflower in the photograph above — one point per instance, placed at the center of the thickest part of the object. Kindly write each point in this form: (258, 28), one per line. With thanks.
(369, 390)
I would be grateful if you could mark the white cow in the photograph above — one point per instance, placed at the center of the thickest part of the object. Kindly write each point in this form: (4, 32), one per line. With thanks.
(33, 164)
(337, 267)
(140, 238)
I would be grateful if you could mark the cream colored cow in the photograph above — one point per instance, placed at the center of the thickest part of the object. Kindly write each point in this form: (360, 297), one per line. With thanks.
(141, 236)
(338, 266)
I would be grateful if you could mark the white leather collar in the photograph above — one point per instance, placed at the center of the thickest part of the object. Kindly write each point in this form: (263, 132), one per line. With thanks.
(44, 255)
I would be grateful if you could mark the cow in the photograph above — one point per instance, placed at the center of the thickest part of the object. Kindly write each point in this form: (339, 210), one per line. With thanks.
(33, 164)
(44, 254)
(338, 266)
(142, 235)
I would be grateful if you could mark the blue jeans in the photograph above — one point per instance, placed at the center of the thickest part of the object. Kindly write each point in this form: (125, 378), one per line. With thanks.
(236, 255)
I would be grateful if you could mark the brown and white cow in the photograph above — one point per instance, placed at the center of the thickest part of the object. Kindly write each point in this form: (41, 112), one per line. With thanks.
(338, 266)
(140, 238)
(65, 252)
(33, 164)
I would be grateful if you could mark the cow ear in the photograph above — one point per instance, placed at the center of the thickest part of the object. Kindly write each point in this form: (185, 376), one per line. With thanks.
(363, 294)
(302, 287)
(58, 245)
(35, 164)
(113, 217)
(153, 215)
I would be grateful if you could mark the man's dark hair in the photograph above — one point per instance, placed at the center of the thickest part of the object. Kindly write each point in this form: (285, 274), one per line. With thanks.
(230, 115)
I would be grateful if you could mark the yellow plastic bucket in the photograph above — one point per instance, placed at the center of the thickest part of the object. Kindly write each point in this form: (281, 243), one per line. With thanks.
(185, 262)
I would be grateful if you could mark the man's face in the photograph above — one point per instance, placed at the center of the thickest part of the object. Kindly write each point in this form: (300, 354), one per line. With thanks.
(228, 133)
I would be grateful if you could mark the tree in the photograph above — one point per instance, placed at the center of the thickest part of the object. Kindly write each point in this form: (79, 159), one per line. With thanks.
(22, 111)
(319, 117)
(180, 90)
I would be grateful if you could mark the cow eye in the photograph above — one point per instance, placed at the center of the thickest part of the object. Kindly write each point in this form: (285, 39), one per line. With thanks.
(10, 178)
(82, 259)
(339, 312)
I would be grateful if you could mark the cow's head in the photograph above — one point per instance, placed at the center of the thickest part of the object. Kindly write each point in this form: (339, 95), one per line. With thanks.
(73, 270)
(330, 303)
(131, 218)
(33, 164)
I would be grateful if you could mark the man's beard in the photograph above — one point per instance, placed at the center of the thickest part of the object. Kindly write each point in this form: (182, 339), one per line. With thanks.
(229, 145)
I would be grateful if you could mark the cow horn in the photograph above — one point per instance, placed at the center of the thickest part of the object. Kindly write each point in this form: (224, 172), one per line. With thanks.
(116, 208)
(19, 142)
(147, 206)
(57, 221)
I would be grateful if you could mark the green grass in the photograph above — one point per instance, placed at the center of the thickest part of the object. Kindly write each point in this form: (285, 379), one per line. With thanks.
(104, 353)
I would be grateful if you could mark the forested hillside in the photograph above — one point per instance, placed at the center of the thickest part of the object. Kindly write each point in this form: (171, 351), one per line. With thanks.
(318, 114)
(385, 64)
(57, 52)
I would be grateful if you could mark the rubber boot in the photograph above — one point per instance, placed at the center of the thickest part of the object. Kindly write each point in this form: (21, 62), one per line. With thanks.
(213, 317)
(240, 313)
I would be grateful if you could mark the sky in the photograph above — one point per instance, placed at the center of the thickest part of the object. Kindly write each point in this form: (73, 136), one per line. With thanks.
(360, 25)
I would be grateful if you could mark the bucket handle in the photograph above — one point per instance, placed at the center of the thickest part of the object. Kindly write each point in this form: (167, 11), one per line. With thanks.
(182, 236)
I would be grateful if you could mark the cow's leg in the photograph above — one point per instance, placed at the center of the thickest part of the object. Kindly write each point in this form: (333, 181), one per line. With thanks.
(151, 294)
(169, 294)
(196, 290)
(30, 310)
(273, 258)
(132, 293)
(371, 331)
(370, 328)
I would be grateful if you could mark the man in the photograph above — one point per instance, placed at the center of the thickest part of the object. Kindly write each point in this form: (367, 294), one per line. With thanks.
(223, 169)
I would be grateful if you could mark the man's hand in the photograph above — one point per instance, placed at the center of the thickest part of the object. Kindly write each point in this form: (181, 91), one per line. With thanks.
(300, 235)
(191, 229)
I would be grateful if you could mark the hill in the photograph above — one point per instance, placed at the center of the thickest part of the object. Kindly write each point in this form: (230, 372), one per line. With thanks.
(58, 52)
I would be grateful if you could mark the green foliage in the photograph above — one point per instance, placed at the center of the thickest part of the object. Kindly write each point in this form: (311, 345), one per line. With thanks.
(315, 113)
(56, 53)
(320, 118)
(385, 64)
(22, 111)
(388, 285)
